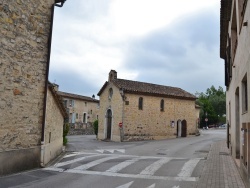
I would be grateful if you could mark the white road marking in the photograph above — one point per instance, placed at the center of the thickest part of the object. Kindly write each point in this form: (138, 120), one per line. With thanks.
(188, 168)
(53, 169)
(152, 186)
(100, 150)
(74, 160)
(136, 176)
(71, 155)
(110, 150)
(122, 165)
(151, 169)
(96, 162)
(127, 185)
(121, 150)
(176, 186)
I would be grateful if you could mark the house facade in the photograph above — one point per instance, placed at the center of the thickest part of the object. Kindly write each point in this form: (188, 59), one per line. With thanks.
(81, 109)
(132, 110)
(26, 30)
(234, 49)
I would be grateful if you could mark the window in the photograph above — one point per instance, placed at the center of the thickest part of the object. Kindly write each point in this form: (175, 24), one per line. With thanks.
(65, 102)
(76, 115)
(162, 105)
(84, 118)
(242, 8)
(140, 103)
(86, 103)
(244, 95)
(71, 103)
(110, 93)
(91, 112)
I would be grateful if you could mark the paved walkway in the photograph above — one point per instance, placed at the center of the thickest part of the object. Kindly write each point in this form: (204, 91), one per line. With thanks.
(220, 170)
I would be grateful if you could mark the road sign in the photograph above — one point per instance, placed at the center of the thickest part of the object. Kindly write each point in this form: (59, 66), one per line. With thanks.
(206, 119)
(120, 124)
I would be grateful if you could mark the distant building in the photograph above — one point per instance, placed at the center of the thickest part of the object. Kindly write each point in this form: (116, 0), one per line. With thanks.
(234, 49)
(132, 110)
(81, 109)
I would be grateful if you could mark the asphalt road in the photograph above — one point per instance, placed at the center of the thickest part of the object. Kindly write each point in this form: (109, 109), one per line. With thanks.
(88, 163)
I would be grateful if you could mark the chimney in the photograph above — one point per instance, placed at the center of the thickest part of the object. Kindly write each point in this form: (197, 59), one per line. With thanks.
(112, 75)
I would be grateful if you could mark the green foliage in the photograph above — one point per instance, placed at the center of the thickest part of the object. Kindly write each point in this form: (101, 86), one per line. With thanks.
(65, 132)
(96, 127)
(213, 102)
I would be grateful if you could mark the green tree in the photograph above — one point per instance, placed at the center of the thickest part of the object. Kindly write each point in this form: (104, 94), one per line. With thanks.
(213, 102)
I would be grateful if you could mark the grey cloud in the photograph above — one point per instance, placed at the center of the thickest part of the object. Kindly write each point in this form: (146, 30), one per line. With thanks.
(73, 83)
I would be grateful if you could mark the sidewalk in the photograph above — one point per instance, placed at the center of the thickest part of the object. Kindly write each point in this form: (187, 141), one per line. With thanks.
(220, 170)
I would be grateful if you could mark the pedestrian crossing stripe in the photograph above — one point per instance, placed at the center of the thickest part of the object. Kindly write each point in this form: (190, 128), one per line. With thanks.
(110, 150)
(147, 173)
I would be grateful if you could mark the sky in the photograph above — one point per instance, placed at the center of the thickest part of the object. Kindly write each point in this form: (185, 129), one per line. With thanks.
(166, 42)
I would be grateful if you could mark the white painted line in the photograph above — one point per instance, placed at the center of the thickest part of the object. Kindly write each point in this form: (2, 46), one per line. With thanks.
(100, 150)
(110, 150)
(121, 150)
(127, 185)
(71, 155)
(74, 160)
(53, 169)
(94, 163)
(136, 176)
(176, 186)
(148, 157)
(188, 168)
(151, 169)
(152, 186)
(122, 165)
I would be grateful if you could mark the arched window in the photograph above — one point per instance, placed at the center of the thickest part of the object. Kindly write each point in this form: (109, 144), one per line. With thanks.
(110, 93)
(140, 103)
(162, 105)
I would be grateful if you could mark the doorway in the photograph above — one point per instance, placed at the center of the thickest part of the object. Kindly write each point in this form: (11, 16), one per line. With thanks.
(109, 124)
(184, 128)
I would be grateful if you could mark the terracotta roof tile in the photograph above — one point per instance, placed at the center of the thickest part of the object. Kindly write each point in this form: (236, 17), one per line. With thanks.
(75, 96)
(151, 89)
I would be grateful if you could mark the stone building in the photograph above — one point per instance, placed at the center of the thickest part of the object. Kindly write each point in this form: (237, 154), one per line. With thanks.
(26, 31)
(55, 116)
(234, 49)
(132, 110)
(81, 109)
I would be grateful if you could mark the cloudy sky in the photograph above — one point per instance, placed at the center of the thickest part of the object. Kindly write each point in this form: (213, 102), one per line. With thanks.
(166, 42)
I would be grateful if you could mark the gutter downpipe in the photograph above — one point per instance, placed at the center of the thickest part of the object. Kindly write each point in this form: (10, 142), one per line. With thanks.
(46, 82)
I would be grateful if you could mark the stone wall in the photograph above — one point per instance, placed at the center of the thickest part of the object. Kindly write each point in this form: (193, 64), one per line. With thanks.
(53, 129)
(151, 122)
(24, 30)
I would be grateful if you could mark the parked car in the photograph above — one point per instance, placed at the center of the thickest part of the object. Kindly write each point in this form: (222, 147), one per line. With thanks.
(224, 126)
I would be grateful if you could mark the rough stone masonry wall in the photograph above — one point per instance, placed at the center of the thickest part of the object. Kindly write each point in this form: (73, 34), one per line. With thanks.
(24, 31)
(53, 129)
(151, 122)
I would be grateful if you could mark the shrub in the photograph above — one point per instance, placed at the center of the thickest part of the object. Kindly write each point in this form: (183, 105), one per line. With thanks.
(65, 132)
(96, 127)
